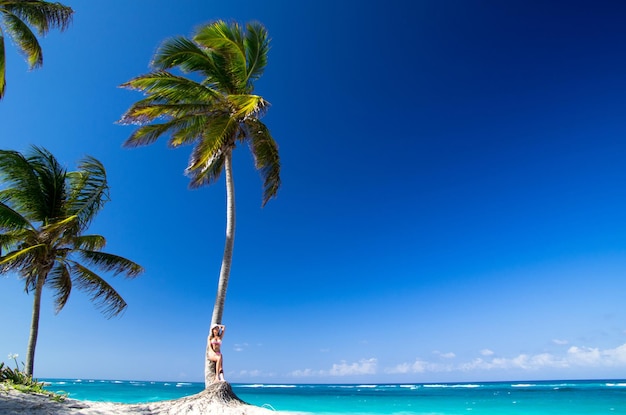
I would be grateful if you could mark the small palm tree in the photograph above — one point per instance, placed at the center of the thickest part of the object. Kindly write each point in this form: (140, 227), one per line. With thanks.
(16, 17)
(214, 114)
(44, 211)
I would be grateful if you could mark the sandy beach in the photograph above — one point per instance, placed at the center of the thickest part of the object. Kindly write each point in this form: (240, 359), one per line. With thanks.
(13, 402)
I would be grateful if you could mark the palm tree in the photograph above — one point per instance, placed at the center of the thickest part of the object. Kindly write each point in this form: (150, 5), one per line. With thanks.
(17, 16)
(214, 114)
(44, 211)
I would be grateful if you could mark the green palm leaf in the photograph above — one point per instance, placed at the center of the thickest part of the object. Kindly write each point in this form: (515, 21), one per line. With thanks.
(218, 137)
(89, 190)
(111, 263)
(185, 54)
(22, 183)
(256, 47)
(90, 242)
(26, 40)
(164, 87)
(18, 258)
(11, 220)
(17, 17)
(50, 176)
(60, 281)
(42, 15)
(107, 300)
(266, 158)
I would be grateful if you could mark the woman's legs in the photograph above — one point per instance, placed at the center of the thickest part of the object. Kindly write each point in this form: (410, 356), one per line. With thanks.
(219, 368)
(219, 371)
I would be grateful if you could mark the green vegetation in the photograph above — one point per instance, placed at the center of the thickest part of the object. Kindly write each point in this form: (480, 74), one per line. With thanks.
(214, 115)
(44, 211)
(15, 18)
(19, 380)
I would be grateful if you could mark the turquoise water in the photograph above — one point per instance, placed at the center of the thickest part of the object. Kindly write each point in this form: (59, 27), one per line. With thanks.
(501, 398)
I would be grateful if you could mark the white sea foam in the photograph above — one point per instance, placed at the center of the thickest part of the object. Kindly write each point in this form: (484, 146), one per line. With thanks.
(523, 385)
(466, 385)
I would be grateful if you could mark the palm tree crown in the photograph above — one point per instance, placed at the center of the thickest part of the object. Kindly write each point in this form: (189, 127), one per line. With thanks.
(44, 211)
(214, 113)
(15, 18)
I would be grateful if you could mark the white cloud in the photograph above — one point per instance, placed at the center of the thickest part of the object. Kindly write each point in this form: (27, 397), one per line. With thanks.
(560, 342)
(362, 367)
(575, 357)
(586, 356)
(250, 373)
(449, 355)
(240, 347)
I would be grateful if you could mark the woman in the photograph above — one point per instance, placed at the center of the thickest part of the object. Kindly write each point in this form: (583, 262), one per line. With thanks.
(215, 346)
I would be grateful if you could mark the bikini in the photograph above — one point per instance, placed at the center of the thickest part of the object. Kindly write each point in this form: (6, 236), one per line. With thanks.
(213, 343)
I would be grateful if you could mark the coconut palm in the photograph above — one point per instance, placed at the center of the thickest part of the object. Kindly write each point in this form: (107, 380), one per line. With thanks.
(44, 211)
(214, 112)
(15, 18)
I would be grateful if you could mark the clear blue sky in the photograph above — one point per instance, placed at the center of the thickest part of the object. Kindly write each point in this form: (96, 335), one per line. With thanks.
(453, 205)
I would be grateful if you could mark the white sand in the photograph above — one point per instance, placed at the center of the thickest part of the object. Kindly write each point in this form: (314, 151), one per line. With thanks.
(13, 402)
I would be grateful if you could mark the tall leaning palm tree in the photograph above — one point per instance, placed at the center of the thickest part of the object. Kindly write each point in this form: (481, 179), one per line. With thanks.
(18, 16)
(214, 112)
(44, 211)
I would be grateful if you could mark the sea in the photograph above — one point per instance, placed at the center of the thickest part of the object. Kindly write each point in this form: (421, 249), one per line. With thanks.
(584, 397)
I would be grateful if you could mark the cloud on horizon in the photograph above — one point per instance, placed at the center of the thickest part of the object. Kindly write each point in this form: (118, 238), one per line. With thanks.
(362, 367)
(574, 357)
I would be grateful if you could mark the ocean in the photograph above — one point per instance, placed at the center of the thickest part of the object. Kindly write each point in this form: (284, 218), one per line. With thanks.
(584, 397)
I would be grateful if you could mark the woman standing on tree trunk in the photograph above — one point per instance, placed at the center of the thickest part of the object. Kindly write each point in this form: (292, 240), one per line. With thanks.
(215, 353)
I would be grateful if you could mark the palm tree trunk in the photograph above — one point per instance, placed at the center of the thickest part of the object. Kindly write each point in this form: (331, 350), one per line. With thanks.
(218, 308)
(34, 327)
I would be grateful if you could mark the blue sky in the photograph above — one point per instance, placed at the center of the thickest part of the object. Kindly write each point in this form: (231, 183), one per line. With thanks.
(452, 207)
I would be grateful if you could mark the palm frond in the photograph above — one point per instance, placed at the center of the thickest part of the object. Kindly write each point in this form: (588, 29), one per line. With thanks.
(257, 45)
(210, 172)
(164, 87)
(217, 136)
(89, 190)
(101, 293)
(43, 15)
(58, 234)
(59, 280)
(25, 39)
(146, 134)
(17, 258)
(90, 242)
(146, 111)
(51, 180)
(111, 263)
(227, 43)
(17, 174)
(12, 220)
(266, 158)
(185, 54)
(248, 105)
